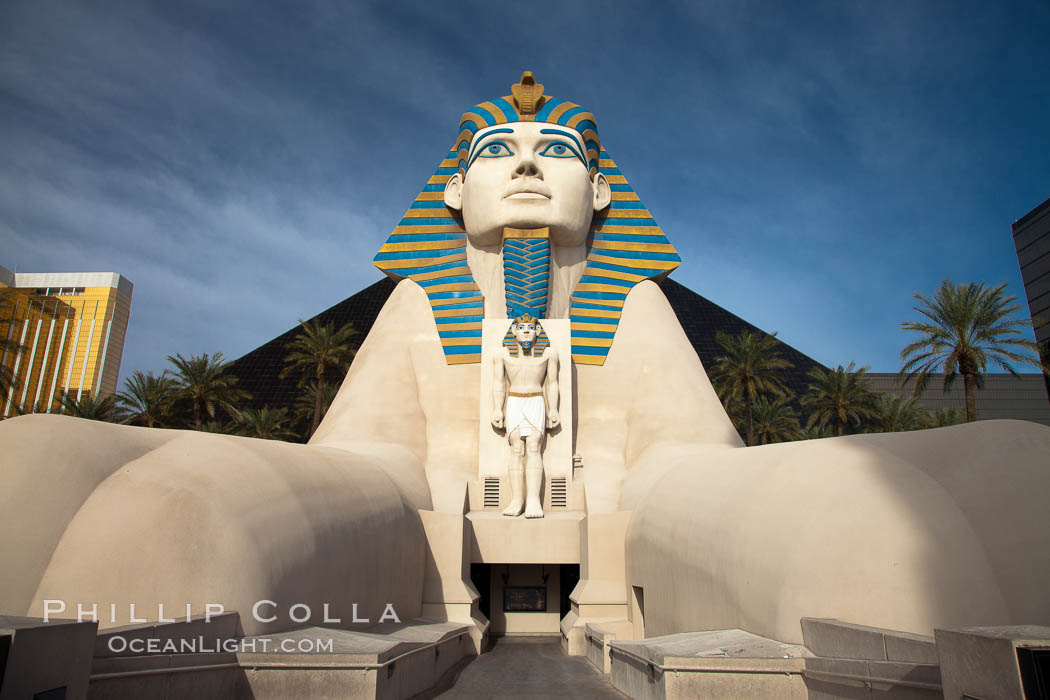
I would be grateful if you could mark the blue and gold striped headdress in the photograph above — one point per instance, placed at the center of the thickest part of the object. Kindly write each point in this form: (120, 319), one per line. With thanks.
(528, 104)
(625, 246)
(542, 341)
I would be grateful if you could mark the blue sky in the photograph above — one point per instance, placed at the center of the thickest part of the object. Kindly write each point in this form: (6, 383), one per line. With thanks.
(815, 163)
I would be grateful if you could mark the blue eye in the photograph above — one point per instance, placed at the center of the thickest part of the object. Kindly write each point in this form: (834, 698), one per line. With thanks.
(496, 149)
(559, 149)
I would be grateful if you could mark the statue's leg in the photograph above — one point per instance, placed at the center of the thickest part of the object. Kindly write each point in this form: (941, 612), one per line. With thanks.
(533, 475)
(516, 475)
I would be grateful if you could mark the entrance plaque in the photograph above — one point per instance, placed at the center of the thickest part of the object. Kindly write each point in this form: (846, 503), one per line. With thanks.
(525, 599)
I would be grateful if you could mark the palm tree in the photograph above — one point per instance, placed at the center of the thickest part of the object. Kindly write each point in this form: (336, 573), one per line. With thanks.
(8, 383)
(750, 367)
(214, 426)
(305, 403)
(9, 347)
(815, 432)
(146, 399)
(204, 381)
(90, 407)
(840, 398)
(944, 417)
(318, 352)
(775, 420)
(267, 423)
(966, 328)
(896, 414)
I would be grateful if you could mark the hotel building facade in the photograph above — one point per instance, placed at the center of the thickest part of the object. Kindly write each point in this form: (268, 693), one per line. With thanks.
(63, 333)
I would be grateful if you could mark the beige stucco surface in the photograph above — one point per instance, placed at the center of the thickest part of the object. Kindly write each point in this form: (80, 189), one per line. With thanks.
(906, 531)
(652, 393)
(400, 389)
(130, 515)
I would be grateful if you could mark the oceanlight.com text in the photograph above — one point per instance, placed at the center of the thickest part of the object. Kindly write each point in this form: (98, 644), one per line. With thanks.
(200, 645)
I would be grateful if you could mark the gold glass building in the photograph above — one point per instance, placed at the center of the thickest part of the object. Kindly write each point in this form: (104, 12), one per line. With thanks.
(64, 333)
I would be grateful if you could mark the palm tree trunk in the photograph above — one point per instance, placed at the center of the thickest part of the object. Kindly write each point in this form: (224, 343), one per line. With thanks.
(197, 414)
(317, 402)
(750, 426)
(970, 383)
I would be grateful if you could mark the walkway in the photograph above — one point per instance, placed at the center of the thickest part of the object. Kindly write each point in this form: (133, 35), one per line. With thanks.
(528, 668)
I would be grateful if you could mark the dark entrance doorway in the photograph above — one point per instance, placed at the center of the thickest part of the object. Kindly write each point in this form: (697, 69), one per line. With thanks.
(570, 576)
(481, 577)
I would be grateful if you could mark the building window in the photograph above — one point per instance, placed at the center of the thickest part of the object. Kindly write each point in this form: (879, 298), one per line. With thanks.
(60, 291)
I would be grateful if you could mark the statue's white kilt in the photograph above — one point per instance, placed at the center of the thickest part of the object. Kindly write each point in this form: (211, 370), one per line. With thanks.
(526, 413)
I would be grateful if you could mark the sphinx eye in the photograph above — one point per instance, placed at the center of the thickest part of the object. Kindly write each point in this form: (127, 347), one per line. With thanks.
(559, 149)
(496, 149)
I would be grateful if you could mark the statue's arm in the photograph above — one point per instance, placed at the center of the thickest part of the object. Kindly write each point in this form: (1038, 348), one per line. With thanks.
(551, 392)
(499, 390)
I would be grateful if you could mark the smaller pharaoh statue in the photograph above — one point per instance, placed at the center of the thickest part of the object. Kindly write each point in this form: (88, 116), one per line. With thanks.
(525, 377)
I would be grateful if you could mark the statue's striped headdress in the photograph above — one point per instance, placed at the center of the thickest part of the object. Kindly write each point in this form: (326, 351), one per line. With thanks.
(542, 341)
(625, 246)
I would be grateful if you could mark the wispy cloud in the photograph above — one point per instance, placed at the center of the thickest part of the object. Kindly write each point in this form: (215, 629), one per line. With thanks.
(242, 163)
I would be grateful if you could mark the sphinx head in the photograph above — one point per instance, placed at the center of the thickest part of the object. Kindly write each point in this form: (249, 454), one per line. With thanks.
(527, 161)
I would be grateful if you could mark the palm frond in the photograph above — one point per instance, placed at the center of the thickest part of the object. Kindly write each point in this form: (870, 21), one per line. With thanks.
(841, 398)
(204, 381)
(970, 326)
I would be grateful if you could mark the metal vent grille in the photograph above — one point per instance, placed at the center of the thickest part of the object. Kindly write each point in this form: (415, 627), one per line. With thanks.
(559, 492)
(491, 498)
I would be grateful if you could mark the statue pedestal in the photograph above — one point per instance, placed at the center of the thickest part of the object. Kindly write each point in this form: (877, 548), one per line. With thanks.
(552, 539)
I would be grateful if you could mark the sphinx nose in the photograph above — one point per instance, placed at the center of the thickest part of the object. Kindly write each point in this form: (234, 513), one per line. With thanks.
(527, 166)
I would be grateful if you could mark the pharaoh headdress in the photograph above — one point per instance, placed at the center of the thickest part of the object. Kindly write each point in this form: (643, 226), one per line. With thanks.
(625, 246)
(511, 343)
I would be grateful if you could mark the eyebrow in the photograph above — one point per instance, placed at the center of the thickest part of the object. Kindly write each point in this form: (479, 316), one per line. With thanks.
(570, 134)
(484, 136)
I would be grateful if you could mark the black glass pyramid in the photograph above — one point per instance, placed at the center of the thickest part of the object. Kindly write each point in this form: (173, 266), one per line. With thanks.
(258, 371)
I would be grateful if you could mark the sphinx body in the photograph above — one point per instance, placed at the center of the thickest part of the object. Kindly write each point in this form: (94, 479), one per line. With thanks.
(906, 531)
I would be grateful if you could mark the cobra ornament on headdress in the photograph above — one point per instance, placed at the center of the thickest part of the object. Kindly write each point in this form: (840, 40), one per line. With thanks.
(625, 246)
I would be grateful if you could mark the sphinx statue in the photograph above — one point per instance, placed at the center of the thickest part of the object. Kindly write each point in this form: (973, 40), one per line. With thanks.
(908, 531)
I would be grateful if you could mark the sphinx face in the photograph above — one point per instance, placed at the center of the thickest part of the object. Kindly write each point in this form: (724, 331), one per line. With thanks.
(527, 175)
